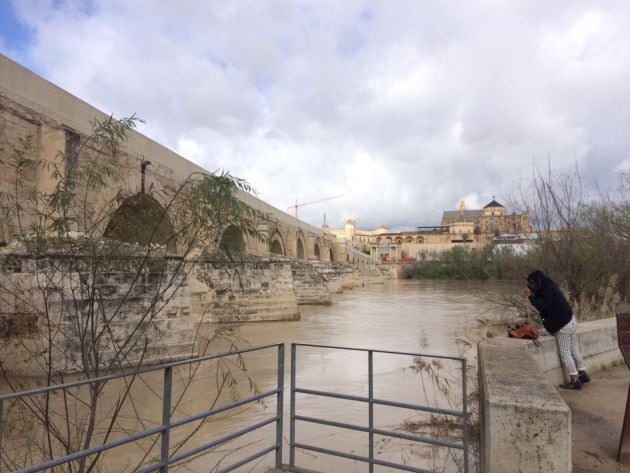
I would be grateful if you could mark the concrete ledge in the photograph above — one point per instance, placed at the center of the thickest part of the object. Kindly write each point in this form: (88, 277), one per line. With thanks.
(525, 424)
(598, 345)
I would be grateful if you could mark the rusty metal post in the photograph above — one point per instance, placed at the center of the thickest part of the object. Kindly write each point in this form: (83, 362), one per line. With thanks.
(623, 332)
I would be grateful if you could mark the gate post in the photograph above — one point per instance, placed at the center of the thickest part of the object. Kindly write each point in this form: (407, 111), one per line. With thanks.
(166, 419)
(623, 332)
(280, 406)
(292, 413)
(371, 409)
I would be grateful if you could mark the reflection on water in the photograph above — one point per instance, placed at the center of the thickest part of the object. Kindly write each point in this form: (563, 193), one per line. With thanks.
(439, 318)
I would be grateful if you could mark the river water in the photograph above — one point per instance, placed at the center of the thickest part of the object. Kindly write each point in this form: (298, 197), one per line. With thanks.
(427, 317)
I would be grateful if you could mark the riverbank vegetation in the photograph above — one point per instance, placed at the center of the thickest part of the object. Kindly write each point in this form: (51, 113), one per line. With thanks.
(581, 239)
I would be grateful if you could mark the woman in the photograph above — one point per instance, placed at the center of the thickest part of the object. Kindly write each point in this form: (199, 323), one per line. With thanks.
(558, 319)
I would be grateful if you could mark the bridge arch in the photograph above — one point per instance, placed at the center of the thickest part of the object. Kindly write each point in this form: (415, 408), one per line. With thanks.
(316, 251)
(141, 219)
(232, 241)
(420, 239)
(300, 246)
(276, 244)
(331, 255)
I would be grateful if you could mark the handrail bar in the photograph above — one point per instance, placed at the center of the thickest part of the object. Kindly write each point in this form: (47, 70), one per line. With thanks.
(382, 402)
(248, 459)
(137, 372)
(218, 410)
(211, 444)
(415, 438)
(350, 456)
(390, 352)
(92, 450)
(153, 431)
(385, 433)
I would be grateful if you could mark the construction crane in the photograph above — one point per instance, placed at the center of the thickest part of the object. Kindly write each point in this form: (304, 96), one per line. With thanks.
(297, 205)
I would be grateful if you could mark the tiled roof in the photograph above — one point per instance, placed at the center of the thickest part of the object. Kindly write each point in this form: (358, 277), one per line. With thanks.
(494, 203)
(457, 215)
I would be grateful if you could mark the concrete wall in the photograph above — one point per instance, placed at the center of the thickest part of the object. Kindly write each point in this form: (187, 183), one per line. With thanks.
(525, 424)
(599, 348)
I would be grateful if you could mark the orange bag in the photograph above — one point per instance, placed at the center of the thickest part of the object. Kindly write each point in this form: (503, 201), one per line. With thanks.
(526, 331)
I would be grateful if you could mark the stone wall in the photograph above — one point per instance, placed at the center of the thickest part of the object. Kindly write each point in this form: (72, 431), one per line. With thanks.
(56, 308)
(262, 290)
(333, 276)
(311, 287)
(156, 305)
(128, 310)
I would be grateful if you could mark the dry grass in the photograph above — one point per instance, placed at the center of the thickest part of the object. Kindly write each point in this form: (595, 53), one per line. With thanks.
(602, 306)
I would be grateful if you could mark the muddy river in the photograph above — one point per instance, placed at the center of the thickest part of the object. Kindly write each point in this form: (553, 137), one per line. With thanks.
(424, 317)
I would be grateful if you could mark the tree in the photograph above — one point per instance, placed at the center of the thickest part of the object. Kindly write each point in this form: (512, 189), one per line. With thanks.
(94, 304)
(578, 242)
(557, 204)
(477, 232)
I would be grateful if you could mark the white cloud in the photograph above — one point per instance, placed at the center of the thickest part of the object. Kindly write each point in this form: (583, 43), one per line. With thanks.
(471, 202)
(623, 166)
(402, 110)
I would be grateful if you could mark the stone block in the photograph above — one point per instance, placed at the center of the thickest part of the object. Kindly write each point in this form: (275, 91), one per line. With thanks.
(525, 424)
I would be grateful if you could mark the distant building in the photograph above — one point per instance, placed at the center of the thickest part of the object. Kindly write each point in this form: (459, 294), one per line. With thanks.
(492, 219)
(458, 227)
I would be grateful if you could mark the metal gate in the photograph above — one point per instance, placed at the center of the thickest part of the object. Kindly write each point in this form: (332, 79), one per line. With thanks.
(371, 401)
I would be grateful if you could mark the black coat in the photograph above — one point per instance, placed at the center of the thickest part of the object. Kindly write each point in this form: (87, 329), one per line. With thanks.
(553, 307)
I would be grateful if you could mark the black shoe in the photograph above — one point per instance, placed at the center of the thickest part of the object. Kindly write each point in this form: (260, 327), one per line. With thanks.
(584, 377)
(574, 384)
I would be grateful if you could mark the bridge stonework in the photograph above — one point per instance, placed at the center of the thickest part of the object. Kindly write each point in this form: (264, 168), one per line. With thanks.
(302, 264)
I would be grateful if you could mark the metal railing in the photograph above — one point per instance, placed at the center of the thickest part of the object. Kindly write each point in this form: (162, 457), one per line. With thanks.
(167, 423)
(371, 402)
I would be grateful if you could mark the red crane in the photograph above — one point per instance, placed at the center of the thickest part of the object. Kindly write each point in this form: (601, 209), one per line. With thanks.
(297, 205)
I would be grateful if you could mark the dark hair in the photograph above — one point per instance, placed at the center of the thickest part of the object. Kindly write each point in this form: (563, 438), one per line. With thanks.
(539, 278)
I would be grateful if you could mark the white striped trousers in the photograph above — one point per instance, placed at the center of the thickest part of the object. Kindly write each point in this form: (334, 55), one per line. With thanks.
(568, 347)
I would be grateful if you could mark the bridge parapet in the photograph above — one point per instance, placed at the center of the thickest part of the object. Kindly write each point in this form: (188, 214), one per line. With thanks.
(359, 258)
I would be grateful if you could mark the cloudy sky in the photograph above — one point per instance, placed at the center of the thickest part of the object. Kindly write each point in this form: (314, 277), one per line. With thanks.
(401, 107)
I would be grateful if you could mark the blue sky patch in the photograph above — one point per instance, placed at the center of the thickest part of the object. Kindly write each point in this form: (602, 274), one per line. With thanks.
(15, 34)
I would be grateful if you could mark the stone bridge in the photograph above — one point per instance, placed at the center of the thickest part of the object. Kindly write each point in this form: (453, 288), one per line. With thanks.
(296, 264)
(33, 107)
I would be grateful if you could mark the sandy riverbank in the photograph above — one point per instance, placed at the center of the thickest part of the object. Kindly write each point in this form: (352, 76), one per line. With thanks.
(597, 415)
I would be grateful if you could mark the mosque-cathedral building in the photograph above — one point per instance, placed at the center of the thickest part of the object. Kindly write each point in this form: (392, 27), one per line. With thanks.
(473, 228)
